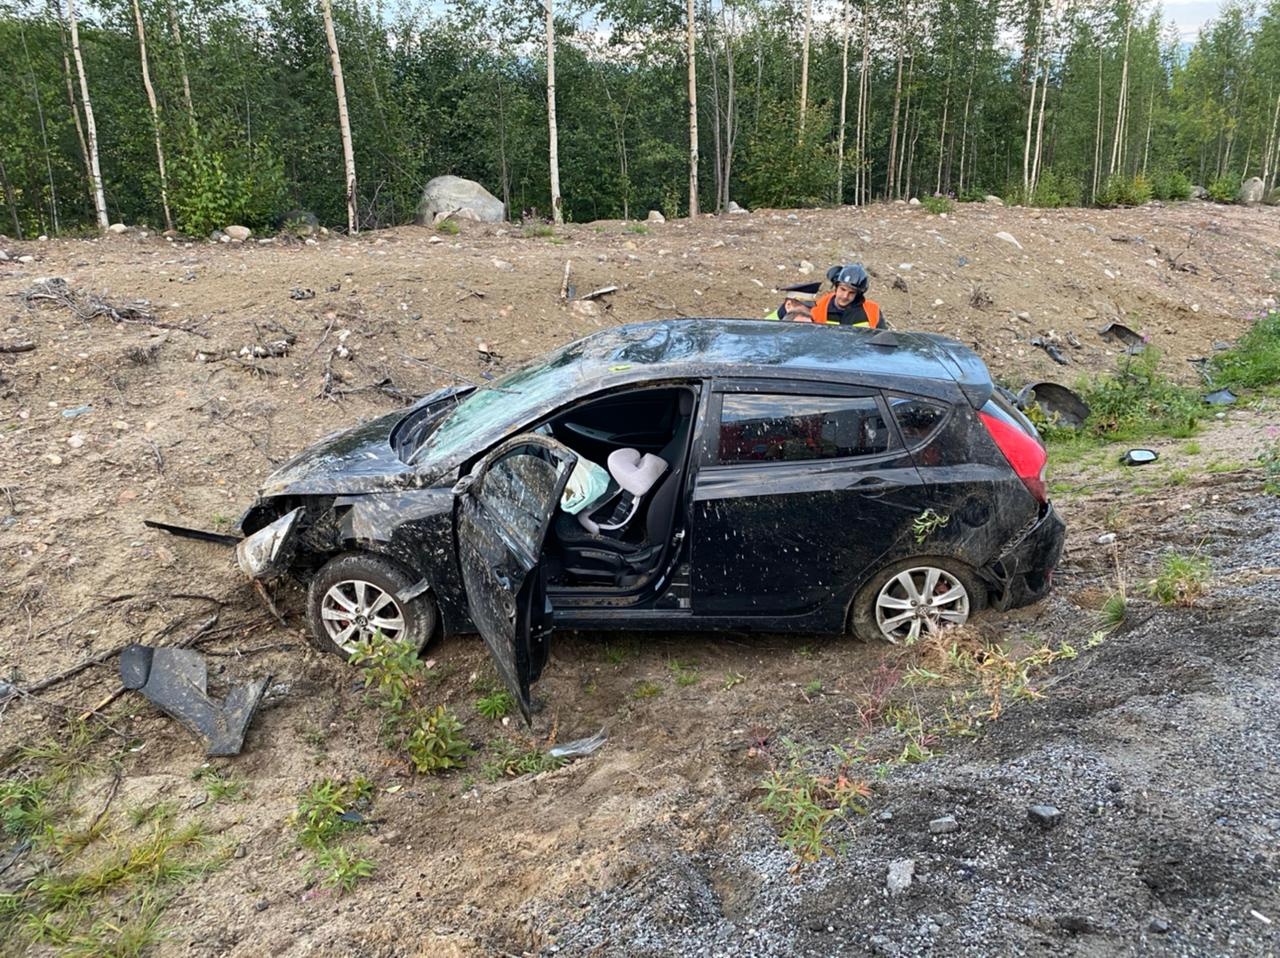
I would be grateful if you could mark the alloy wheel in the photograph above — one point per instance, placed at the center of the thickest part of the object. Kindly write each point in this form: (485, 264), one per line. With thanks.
(354, 609)
(920, 601)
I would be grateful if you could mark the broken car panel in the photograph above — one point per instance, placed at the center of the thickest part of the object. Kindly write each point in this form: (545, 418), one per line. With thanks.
(796, 478)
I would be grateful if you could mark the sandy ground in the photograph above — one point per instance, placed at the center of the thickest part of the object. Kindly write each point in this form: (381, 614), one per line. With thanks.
(656, 845)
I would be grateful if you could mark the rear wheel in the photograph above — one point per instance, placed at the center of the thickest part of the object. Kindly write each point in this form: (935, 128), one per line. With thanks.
(356, 595)
(916, 597)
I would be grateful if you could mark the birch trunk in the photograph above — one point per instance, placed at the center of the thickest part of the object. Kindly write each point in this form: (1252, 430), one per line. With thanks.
(844, 100)
(893, 130)
(942, 133)
(691, 52)
(155, 114)
(1031, 106)
(1122, 109)
(1151, 109)
(907, 120)
(71, 97)
(964, 127)
(95, 170)
(731, 111)
(176, 32)
(1035, 158)
(1269, 166)
(344, 120)
(553, 136)
(804, 63)
(1097, 134)
(864, 97)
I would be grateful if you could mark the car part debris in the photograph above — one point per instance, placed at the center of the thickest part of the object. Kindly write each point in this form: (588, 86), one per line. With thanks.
(1122, 334)
(579, 748)
(1051, 349)
(183, 532)
(1063, 406)
(174, 681)
(302, 292)
(1139, 457)
(269, 550)
(1221, 397)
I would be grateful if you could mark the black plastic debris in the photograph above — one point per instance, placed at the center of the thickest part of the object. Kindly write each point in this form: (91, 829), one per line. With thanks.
(174, 680)
(1122, 334)
(1051, 349)
(1221, 397)
(1139, 457)
(1063, 406)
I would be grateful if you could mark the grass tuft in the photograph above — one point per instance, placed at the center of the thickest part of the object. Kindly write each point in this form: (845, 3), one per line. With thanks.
(1181, 580)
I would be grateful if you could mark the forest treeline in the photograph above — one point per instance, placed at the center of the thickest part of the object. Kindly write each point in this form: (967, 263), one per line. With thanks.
(212, 112)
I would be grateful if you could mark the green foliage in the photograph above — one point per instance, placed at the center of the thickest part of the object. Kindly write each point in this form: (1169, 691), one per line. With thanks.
(511, 761)
(937, 204)
(926, 524)
(1225, 189)
(1181, 580)
(783, 168)
(392, 671)
(1269, 460)
(210, 191)
(805, 803)
(646, 690)
(1170, 185)
(638, 228)
(1114, 610)
(1255, 359)
(1056, 189)
(340, 869)
(220, 786)
(538, 231)
(496, 704)
(319, 817)
(448, 228)
(1122, 190)
(433, 740)
(1137, 401)
(685, 675)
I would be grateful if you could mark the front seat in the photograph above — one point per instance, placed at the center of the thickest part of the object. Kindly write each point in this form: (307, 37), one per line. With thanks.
(633, 546)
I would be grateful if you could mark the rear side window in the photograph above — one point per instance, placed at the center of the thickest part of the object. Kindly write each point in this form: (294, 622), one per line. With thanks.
(763, 428)
(918, 419)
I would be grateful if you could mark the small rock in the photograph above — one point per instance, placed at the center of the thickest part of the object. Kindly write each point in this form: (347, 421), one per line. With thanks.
(806, 267)
(75, 440)
(1158, 926)
(261, 905)
(223, 238)
(585, 307)
(735, 208)
(1008, 238)
(901, 872)
(914, 201)
(77, 411)
(655, 217)
(943, 825)
(117, 228)
(1221, 345)
(992, 200)
(433, 239)
(1195, 307)
(1106, 539)
(937, 303)
(53, 459)
(43, 237)
(4, 257)
(1046, 816)
(238, 233)
(26, 259)
(198, 800)
(885, 816)
(1077, 924)
(1023, 315)
(239, 852)
(502, 265)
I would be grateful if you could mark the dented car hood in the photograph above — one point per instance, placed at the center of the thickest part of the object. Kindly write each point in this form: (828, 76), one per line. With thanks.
(361, 459)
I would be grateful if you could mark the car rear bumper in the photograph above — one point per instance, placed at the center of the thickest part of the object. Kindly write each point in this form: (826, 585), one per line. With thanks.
(1024, 572)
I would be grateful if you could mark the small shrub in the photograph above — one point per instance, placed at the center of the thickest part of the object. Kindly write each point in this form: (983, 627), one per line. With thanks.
(1225, 189)
(340, 869)
(448, 228)
(392, 671)
(805, 803)
(1181, 580)
(646, 690)
(1138, 401)
(1114, 610)
(685, 675)
(638, 228)
(973, 194)
(1269, 460)
(1170, 185)
(511, 761)
(1122, 190)
(496, 704)
(938, 204)
(325, 810)
(1054, 190)
(434, 740)
(1255, 359)
(538, 230)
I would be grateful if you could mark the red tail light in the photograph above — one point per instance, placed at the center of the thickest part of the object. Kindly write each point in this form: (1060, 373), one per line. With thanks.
(1023, 451)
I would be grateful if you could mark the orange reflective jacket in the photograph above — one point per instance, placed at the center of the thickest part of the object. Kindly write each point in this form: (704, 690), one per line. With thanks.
(866, 313)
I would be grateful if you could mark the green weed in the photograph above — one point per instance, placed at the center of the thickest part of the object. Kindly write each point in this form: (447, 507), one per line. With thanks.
(1114, 610)
(685, 675)
(646, 690)
(1191, 448)
(511, 761)
(926, 524)
(448, 228)
(330, 807)
(496, 704)
(1255, 360)
(804, 804)
(731, 680)
(1269, 460)
(638, 228)
(937, 204)
(220, 786)
(1181, 580)
(434, 741)
(339, 868)
(538, 230)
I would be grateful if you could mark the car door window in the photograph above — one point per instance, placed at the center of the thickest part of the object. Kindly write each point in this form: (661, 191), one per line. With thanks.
(515, 491)
(918, 419)
(764, 427)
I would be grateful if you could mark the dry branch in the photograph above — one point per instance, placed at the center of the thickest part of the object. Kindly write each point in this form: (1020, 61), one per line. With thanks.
(89, 306)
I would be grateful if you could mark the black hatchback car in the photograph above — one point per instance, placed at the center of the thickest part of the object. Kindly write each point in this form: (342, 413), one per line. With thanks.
(676, 475)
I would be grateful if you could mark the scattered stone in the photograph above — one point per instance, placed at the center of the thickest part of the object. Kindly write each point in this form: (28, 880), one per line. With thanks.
(117, 228)
(1023, 315)
(4, 257)
(735, 208)
(992, 200)
(1077, 924)
(1199, 193)
(1046, 816)
(26, 259)
(1008, 238)
(914, 201)
(585, 307)
(53, 459)
(901, 872)
(239, 852)
(198, 800)
(502, 265)
(1106, 539)
(43, 238)
(1252, 191)
(885, 816)
(1159, 926)
(238, 233)
(655, 217)
(77, 411)
(900, 284)
(75, 440)
(806, 267)
(261, 905)
(943, 825)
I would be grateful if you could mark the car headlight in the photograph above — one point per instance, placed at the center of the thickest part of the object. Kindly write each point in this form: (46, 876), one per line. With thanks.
(268, 550)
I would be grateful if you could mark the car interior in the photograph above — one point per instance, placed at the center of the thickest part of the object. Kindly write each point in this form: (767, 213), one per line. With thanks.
(619, 541)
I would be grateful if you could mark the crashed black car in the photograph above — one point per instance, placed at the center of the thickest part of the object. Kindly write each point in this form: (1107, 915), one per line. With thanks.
(740, 475)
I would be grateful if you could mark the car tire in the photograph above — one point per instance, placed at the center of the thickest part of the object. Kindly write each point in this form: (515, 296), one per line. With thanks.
(340, 586)
(877, 601)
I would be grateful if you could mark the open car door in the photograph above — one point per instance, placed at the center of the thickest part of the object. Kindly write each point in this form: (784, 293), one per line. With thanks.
(505, 507)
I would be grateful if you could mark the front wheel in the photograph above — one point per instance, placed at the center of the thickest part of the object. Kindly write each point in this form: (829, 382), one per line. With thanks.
(356, 595)
(915, 598)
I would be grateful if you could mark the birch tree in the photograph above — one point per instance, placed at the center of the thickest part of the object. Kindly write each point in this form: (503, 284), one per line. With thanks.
(844, 100)
(95, 170)
(553, 148)
(155, 113)
(344, 120)
(692, 55)
(804, 63)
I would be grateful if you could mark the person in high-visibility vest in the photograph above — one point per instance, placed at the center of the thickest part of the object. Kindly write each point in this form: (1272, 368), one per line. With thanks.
(797, 307)
(847, 304)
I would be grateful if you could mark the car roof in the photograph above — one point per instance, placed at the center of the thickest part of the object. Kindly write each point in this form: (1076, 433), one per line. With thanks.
(769, 349)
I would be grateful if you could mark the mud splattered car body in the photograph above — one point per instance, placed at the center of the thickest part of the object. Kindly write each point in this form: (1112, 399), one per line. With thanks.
(816, 480)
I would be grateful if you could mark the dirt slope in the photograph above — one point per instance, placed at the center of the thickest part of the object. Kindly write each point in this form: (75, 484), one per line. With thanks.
(656, 846)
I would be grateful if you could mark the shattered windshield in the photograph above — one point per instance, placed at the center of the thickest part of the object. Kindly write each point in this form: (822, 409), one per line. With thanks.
(493, 408)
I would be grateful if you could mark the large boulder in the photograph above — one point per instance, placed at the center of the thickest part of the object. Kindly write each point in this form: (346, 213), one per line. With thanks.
(1251, 191)
(453, 194)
